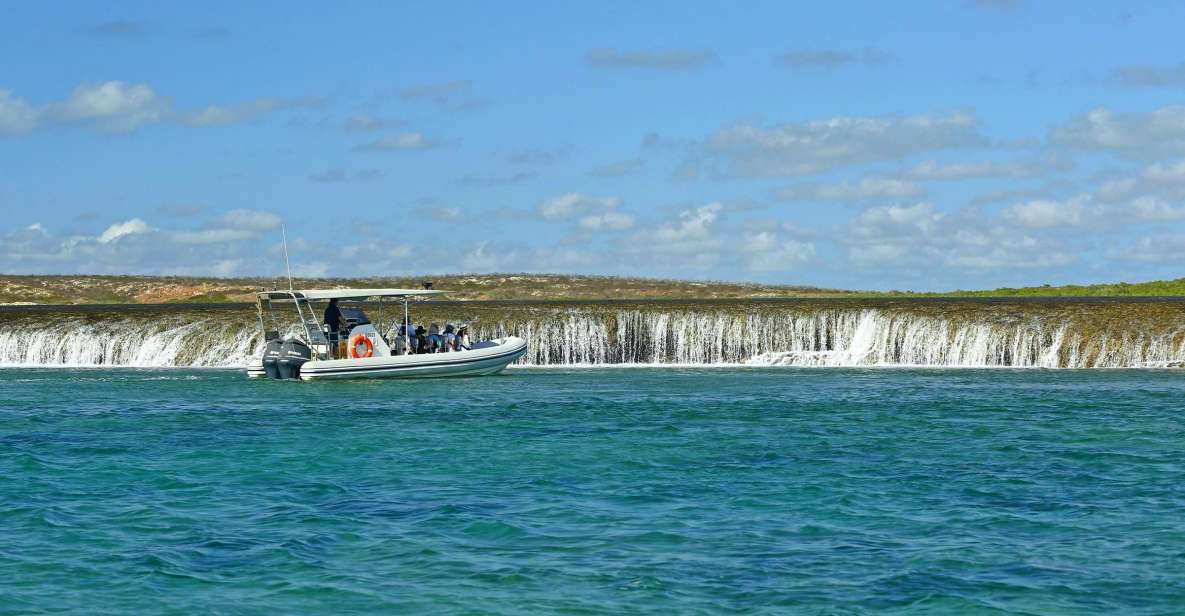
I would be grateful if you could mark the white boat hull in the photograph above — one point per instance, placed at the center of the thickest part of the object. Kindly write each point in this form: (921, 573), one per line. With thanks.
(490, 357)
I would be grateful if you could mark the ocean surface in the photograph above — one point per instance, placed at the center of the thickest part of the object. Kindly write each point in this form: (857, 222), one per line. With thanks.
(594, 491)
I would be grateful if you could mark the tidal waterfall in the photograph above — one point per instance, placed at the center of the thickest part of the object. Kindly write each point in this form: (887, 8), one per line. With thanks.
(837, 337)
(140, 341)
(1059, 334)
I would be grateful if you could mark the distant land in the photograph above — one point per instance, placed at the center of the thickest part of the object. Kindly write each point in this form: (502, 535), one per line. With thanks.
(16, 289)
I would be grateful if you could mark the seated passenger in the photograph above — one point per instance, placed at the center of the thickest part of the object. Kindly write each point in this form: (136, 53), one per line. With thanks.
(399, 342)
(408, 333)
(422, 344)
(450, 338)
(463, 338)
(434, 338)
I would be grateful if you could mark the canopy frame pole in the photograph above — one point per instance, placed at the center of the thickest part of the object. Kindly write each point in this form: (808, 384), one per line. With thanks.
(381, 316)
(304, 324)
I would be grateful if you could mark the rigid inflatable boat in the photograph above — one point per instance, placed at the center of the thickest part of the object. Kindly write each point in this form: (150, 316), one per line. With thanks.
(318, 351)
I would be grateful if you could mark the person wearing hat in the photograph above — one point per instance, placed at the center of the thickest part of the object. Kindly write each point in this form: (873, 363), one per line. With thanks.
(463, 338)
(422, 340)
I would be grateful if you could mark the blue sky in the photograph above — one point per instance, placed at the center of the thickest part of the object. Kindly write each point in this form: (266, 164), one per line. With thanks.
(859, 145)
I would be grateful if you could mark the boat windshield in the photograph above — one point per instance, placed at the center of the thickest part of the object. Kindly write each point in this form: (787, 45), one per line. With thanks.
(355, 316)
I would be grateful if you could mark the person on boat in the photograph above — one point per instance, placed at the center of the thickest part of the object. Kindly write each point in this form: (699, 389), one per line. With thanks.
(434, 338)
(422, 345)
(335, 322)
(450, 338)
(399, 343)
(463, 338)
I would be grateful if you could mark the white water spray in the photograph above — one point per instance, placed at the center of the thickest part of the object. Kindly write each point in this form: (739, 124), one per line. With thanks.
(558, 335)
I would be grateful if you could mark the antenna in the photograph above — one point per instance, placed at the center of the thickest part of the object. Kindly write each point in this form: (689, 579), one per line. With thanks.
(287, 264)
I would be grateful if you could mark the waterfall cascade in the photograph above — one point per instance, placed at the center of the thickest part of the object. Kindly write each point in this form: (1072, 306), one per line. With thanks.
(174, 340)
(838, 337)
(794, 334)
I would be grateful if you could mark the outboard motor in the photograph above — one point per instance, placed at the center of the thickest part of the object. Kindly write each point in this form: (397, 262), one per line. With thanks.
(271, 358)
(293, 355)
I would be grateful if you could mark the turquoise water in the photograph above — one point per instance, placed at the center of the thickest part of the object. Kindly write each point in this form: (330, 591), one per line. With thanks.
(594, 491)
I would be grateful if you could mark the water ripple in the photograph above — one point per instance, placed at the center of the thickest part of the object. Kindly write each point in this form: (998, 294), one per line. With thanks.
(627, 491)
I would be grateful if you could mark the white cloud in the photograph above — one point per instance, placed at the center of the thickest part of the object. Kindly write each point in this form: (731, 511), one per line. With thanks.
(933, 170)
(919, 236)
(114, 106)
(120, 107)
(769, 253)
(1021, 251)
(693, 225)
(897, 220)
(251, 220)
(1166, 172)
(1164, 180)
(1160, 248)
(691, 241)
(609, 221)
(376, 252)
(233, 226)
(746, 150)
(1135, 135)
(877, 253)
(122, 229)
(1045, 213)
(403, 141)
(311, 269)
(132, 246)
(227, 267)
(213, 236)
(16, 116)
(487, 258)
(866, 189)
(1153, 209)
(222, 115)
(363, 123)
(571, 205)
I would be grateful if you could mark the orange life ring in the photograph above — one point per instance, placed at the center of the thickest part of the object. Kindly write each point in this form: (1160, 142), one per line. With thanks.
(361, 340)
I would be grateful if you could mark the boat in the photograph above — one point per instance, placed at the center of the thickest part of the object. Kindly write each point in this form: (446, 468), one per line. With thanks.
(311, 352)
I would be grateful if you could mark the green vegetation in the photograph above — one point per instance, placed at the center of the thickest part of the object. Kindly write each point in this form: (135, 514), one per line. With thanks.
(170, 289)
(1152, 288)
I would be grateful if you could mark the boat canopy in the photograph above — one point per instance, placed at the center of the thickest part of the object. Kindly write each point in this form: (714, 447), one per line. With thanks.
(355, 294)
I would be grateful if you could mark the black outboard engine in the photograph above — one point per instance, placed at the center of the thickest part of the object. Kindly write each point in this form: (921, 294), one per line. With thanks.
(271, 358)
(293, 355)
